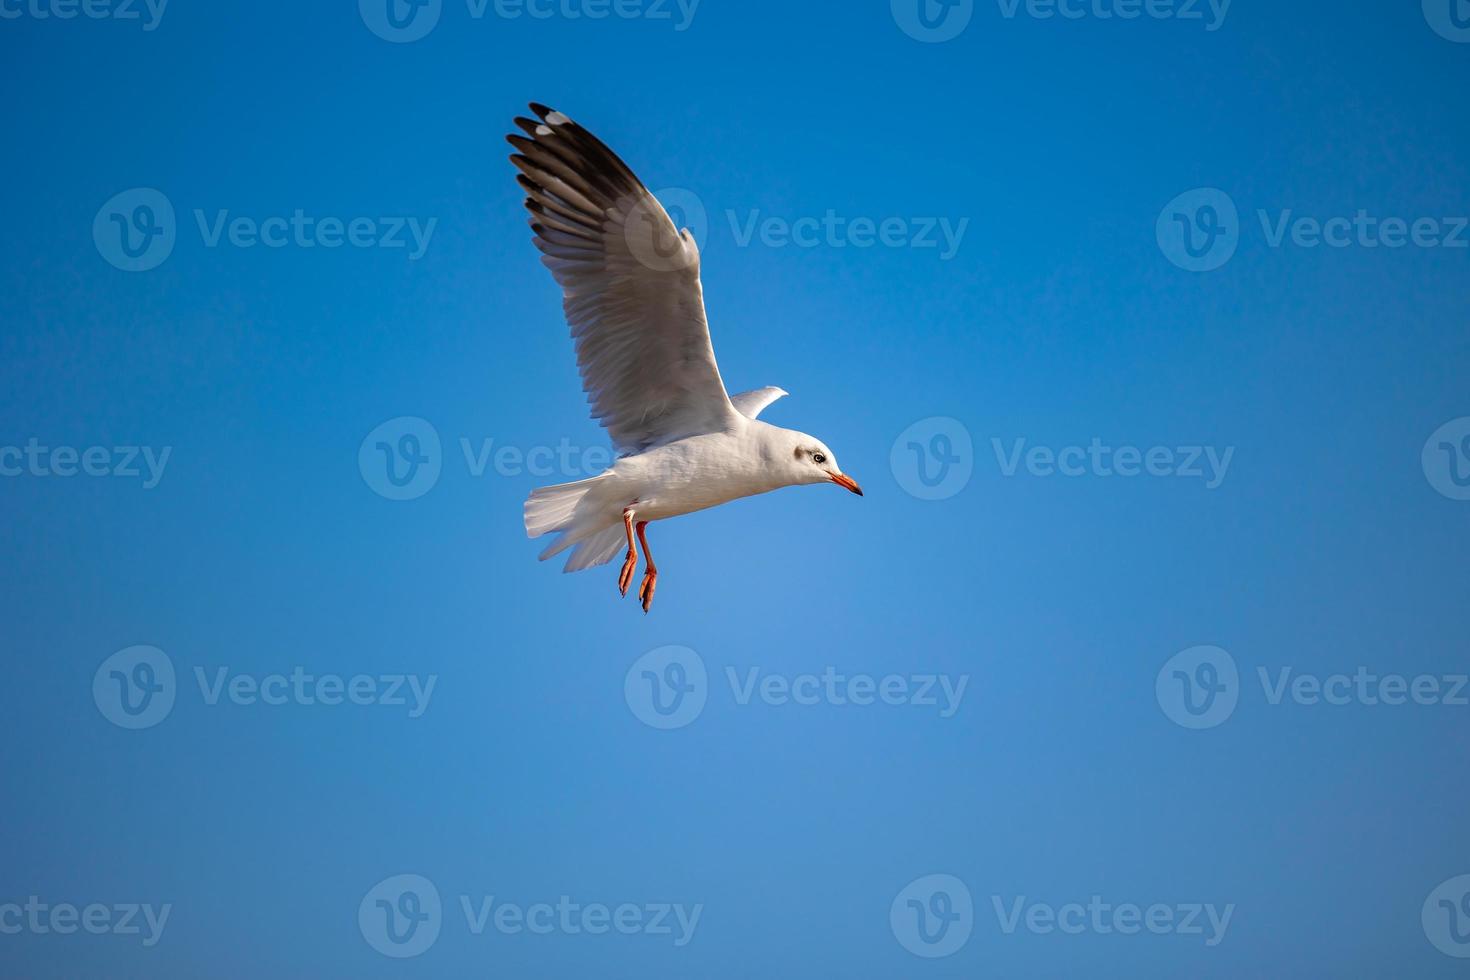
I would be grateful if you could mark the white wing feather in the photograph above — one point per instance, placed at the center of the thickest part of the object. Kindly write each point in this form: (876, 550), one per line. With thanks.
(752, 403)
(630, 286)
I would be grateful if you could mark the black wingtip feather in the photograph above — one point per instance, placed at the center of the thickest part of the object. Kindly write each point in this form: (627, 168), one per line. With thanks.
(567, 152)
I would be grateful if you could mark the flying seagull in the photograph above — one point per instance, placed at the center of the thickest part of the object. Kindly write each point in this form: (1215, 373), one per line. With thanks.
(631, 293)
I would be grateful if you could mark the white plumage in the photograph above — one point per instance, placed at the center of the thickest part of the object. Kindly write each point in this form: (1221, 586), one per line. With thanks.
(631, 293)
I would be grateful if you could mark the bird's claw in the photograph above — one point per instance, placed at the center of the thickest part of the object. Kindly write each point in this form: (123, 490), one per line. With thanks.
(625, 577)
(645, 591)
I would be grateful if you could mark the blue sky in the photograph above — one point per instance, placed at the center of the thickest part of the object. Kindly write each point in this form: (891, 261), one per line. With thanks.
(1219, 248)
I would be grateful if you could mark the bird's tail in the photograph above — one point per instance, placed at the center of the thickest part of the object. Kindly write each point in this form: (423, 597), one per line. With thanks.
(563, 510)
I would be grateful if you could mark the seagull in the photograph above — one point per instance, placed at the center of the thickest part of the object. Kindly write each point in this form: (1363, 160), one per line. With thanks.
(631, 294)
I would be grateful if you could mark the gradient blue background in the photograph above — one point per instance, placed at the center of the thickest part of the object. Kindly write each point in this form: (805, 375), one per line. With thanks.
(528, 778)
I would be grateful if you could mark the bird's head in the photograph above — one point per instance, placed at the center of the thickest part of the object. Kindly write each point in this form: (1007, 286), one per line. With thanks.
(808, 460)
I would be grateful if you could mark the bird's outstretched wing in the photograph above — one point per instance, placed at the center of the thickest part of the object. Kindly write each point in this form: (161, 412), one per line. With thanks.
(630, 283)
(752, 403)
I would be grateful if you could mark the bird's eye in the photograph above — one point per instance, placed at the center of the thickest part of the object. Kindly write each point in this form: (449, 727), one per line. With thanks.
(819, 458)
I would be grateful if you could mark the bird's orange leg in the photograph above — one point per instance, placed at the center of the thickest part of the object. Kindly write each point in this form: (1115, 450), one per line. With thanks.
(650, 575)
(625, 577)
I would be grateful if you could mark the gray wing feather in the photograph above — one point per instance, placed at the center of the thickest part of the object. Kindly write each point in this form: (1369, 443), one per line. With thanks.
(630, 284)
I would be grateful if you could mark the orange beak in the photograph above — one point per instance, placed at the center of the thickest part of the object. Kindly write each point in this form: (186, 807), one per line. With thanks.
(846, 482)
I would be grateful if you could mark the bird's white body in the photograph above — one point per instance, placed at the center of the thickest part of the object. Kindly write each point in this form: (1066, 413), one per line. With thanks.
(631, 293)
(695, 473)
(669, 480)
